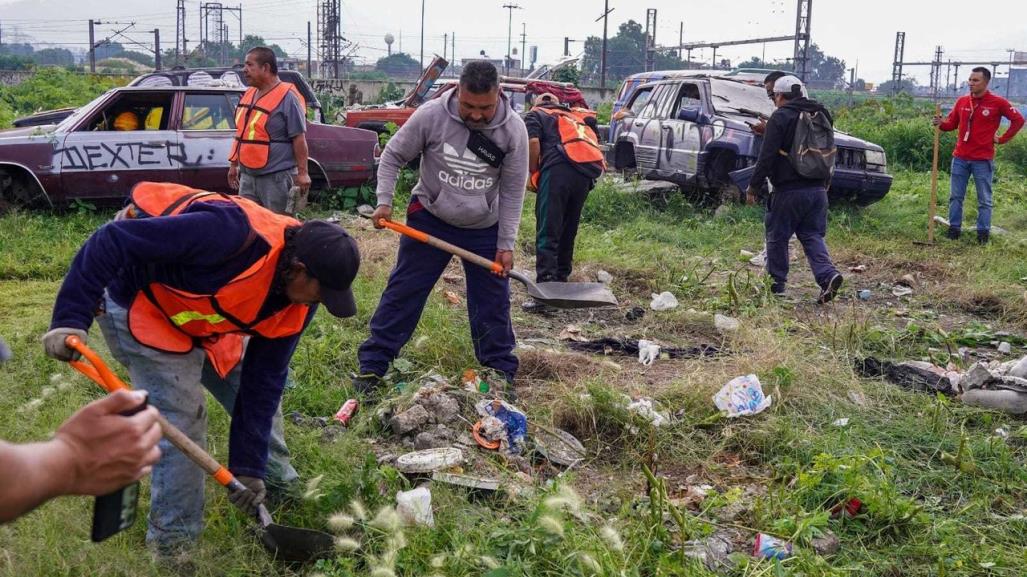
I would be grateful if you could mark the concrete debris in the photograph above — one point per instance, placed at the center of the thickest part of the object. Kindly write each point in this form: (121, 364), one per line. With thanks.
(572, 333)
(1007, 401)
(907, 280)
(712, 551)
(440, 406)
(604, 277)
(826, 544)
(976, 377)
(409, 420)
(663, 301)
(1019, 369)
(725, 324)
(1005, 348)
(437, 438)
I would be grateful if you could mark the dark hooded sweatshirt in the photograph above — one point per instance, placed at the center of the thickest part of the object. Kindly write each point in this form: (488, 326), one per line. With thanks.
(773, 161)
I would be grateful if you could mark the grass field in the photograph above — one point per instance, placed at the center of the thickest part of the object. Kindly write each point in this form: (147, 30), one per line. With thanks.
(779, 472)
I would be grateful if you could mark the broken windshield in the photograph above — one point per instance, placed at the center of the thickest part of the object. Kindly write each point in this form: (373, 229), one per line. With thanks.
(740, 98)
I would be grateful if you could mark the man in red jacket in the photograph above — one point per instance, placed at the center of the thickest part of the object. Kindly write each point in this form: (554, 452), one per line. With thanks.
(977, 115)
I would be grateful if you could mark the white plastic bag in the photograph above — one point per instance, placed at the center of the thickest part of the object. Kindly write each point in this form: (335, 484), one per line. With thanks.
(648, 352)
(414, 506)
(742, 396)
(663, 301)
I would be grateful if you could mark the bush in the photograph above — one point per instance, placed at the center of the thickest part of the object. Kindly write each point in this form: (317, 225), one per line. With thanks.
(900, 125)
(1015, 152)
(49, 88)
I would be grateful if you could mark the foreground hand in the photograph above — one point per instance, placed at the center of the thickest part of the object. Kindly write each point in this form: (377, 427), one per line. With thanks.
(55, 347)
(998, 140)
(505, 259)
(107, 450)
(750, 195)
(382, 212)
(233, 177)
(252, 497)
(303, 181)
(758, 128)
(936, 120)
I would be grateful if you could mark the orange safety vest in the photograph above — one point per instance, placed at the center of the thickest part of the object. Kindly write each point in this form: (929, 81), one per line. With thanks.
(577, 140)
(174, 321)
(252, 144)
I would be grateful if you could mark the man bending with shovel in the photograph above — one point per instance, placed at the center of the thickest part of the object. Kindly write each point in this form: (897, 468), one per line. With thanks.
(176, 283)
(474, 166)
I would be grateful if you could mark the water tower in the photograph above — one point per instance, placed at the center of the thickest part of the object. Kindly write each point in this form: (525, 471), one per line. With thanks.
(389, 39)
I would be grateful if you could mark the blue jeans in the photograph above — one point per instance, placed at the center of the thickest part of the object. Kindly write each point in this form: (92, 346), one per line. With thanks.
(173, 383)
(418, 268)
(982, 171)
(802, 212)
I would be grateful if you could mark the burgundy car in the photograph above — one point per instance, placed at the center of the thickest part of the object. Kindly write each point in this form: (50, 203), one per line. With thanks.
(181, 134)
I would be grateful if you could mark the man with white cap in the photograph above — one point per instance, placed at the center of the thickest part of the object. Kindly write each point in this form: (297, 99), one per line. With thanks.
(800, 176)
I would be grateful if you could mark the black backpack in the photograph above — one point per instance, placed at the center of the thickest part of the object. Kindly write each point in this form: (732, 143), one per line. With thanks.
(813, 151)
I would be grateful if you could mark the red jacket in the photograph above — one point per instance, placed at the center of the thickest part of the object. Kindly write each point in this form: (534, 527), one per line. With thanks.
(978, 120)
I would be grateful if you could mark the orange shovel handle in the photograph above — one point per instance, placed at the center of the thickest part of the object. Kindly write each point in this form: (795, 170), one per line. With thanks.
(98, 371)
(441, 245)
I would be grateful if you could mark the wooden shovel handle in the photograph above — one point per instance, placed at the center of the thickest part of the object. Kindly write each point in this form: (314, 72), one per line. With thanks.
(98, 371)
(441, 245)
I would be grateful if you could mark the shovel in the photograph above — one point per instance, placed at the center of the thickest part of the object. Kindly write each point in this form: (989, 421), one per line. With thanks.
(290, 544)
(564, 295)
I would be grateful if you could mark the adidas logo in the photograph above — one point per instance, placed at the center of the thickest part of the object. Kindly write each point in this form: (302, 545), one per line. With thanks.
(467, 170)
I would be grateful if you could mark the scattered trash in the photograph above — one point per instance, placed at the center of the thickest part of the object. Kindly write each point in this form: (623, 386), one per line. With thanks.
(559, 446)
(469, 481)
(634, 314)
(648, 352)
(851, 507)
(901, 290)
(760, 259)
(516, 425)
(907, 280)
(646, 408)
(414, 507)
(843, 422)
(572, 333)
(826, 544)
(430, 460)
(742, 396)
(712, 551)
(746, 253)
(725, 324)
(1005, 348)
(452, 297)
(663, 301)
(859, 268)
(495, 429)
(474, 383)
(1002, 433)
(604, 277)
(365, 210)
(609, 345)
(769, 547)
(916, 375)
(452, 278)
(864, 294)
(346, 411)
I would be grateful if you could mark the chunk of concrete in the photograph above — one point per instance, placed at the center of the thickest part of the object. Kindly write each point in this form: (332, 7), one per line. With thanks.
(1012, 402)
(712, 551)
(725, 324)
(976, 376)
(1019, 369)
(409, 420)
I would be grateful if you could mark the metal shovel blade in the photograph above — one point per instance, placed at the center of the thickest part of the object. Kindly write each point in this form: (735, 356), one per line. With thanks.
(293, 544)
(567, 295)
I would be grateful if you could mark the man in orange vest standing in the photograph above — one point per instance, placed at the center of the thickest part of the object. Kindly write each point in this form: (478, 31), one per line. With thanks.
(565, 160)
(270, 142)
(176, 315)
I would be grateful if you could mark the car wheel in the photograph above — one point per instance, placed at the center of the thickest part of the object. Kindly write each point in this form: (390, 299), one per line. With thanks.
(19, 190)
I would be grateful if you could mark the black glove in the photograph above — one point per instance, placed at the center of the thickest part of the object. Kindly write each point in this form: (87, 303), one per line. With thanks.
(53, 343)
(253, 496)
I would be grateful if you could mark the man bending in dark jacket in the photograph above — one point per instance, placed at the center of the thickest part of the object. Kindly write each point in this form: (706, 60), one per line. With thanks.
(798, 205)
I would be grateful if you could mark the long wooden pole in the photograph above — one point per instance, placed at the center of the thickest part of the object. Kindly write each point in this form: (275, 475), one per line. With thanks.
(934, 179)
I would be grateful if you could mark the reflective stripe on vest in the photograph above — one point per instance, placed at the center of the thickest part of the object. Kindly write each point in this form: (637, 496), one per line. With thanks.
(579, 142)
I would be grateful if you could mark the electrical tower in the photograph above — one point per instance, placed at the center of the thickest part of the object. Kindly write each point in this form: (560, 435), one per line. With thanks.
(800, 57)
(936, 72)
(214, 30)
(329, 35)
(650, 39)
(896, 68)
(181, 51)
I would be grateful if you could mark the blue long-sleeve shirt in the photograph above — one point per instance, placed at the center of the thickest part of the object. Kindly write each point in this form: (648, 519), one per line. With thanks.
(199, 250)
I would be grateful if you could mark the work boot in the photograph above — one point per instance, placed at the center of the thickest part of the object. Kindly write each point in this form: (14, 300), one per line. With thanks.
(367, 385)
(829, 290)
(953, 233)
(983, 236)
(533, 306)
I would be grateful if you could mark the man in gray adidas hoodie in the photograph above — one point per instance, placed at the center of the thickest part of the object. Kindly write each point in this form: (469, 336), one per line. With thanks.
(474, 166)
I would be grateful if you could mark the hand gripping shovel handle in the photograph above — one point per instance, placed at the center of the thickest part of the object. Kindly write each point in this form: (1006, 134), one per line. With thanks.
(442, 245)
(98, 371)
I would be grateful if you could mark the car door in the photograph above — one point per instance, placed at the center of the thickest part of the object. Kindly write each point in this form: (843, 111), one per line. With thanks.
(679, 151)
(206, 130)
(125, 141)
(647, 126)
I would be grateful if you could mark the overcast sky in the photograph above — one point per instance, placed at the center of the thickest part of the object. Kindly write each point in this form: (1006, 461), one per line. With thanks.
(862, 32)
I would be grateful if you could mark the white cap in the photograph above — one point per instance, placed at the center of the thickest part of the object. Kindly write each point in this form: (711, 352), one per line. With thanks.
(784, 85)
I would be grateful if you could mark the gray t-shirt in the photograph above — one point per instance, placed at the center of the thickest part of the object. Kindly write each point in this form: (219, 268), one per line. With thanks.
(287, 122)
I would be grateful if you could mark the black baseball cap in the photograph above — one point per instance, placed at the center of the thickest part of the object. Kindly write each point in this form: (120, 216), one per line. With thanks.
(332, 257)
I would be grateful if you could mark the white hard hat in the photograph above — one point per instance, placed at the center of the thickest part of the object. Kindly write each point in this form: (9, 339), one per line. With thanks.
(784, 85)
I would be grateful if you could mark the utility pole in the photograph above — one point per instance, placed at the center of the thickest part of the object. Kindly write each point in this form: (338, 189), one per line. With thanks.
(92, 49)
(422, 35)
(310, 73)
(156, 49)
(650, 39)
(452, 44)
(602, 66)
(681, 38)
(180, 49)
(936, 72)
(524, 42)
(800, 58)
(1009, 76)
(900, 55)
(445, 45)
(509, 35)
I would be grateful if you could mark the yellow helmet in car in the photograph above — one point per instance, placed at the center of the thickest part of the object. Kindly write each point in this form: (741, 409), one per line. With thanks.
(127, 120)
